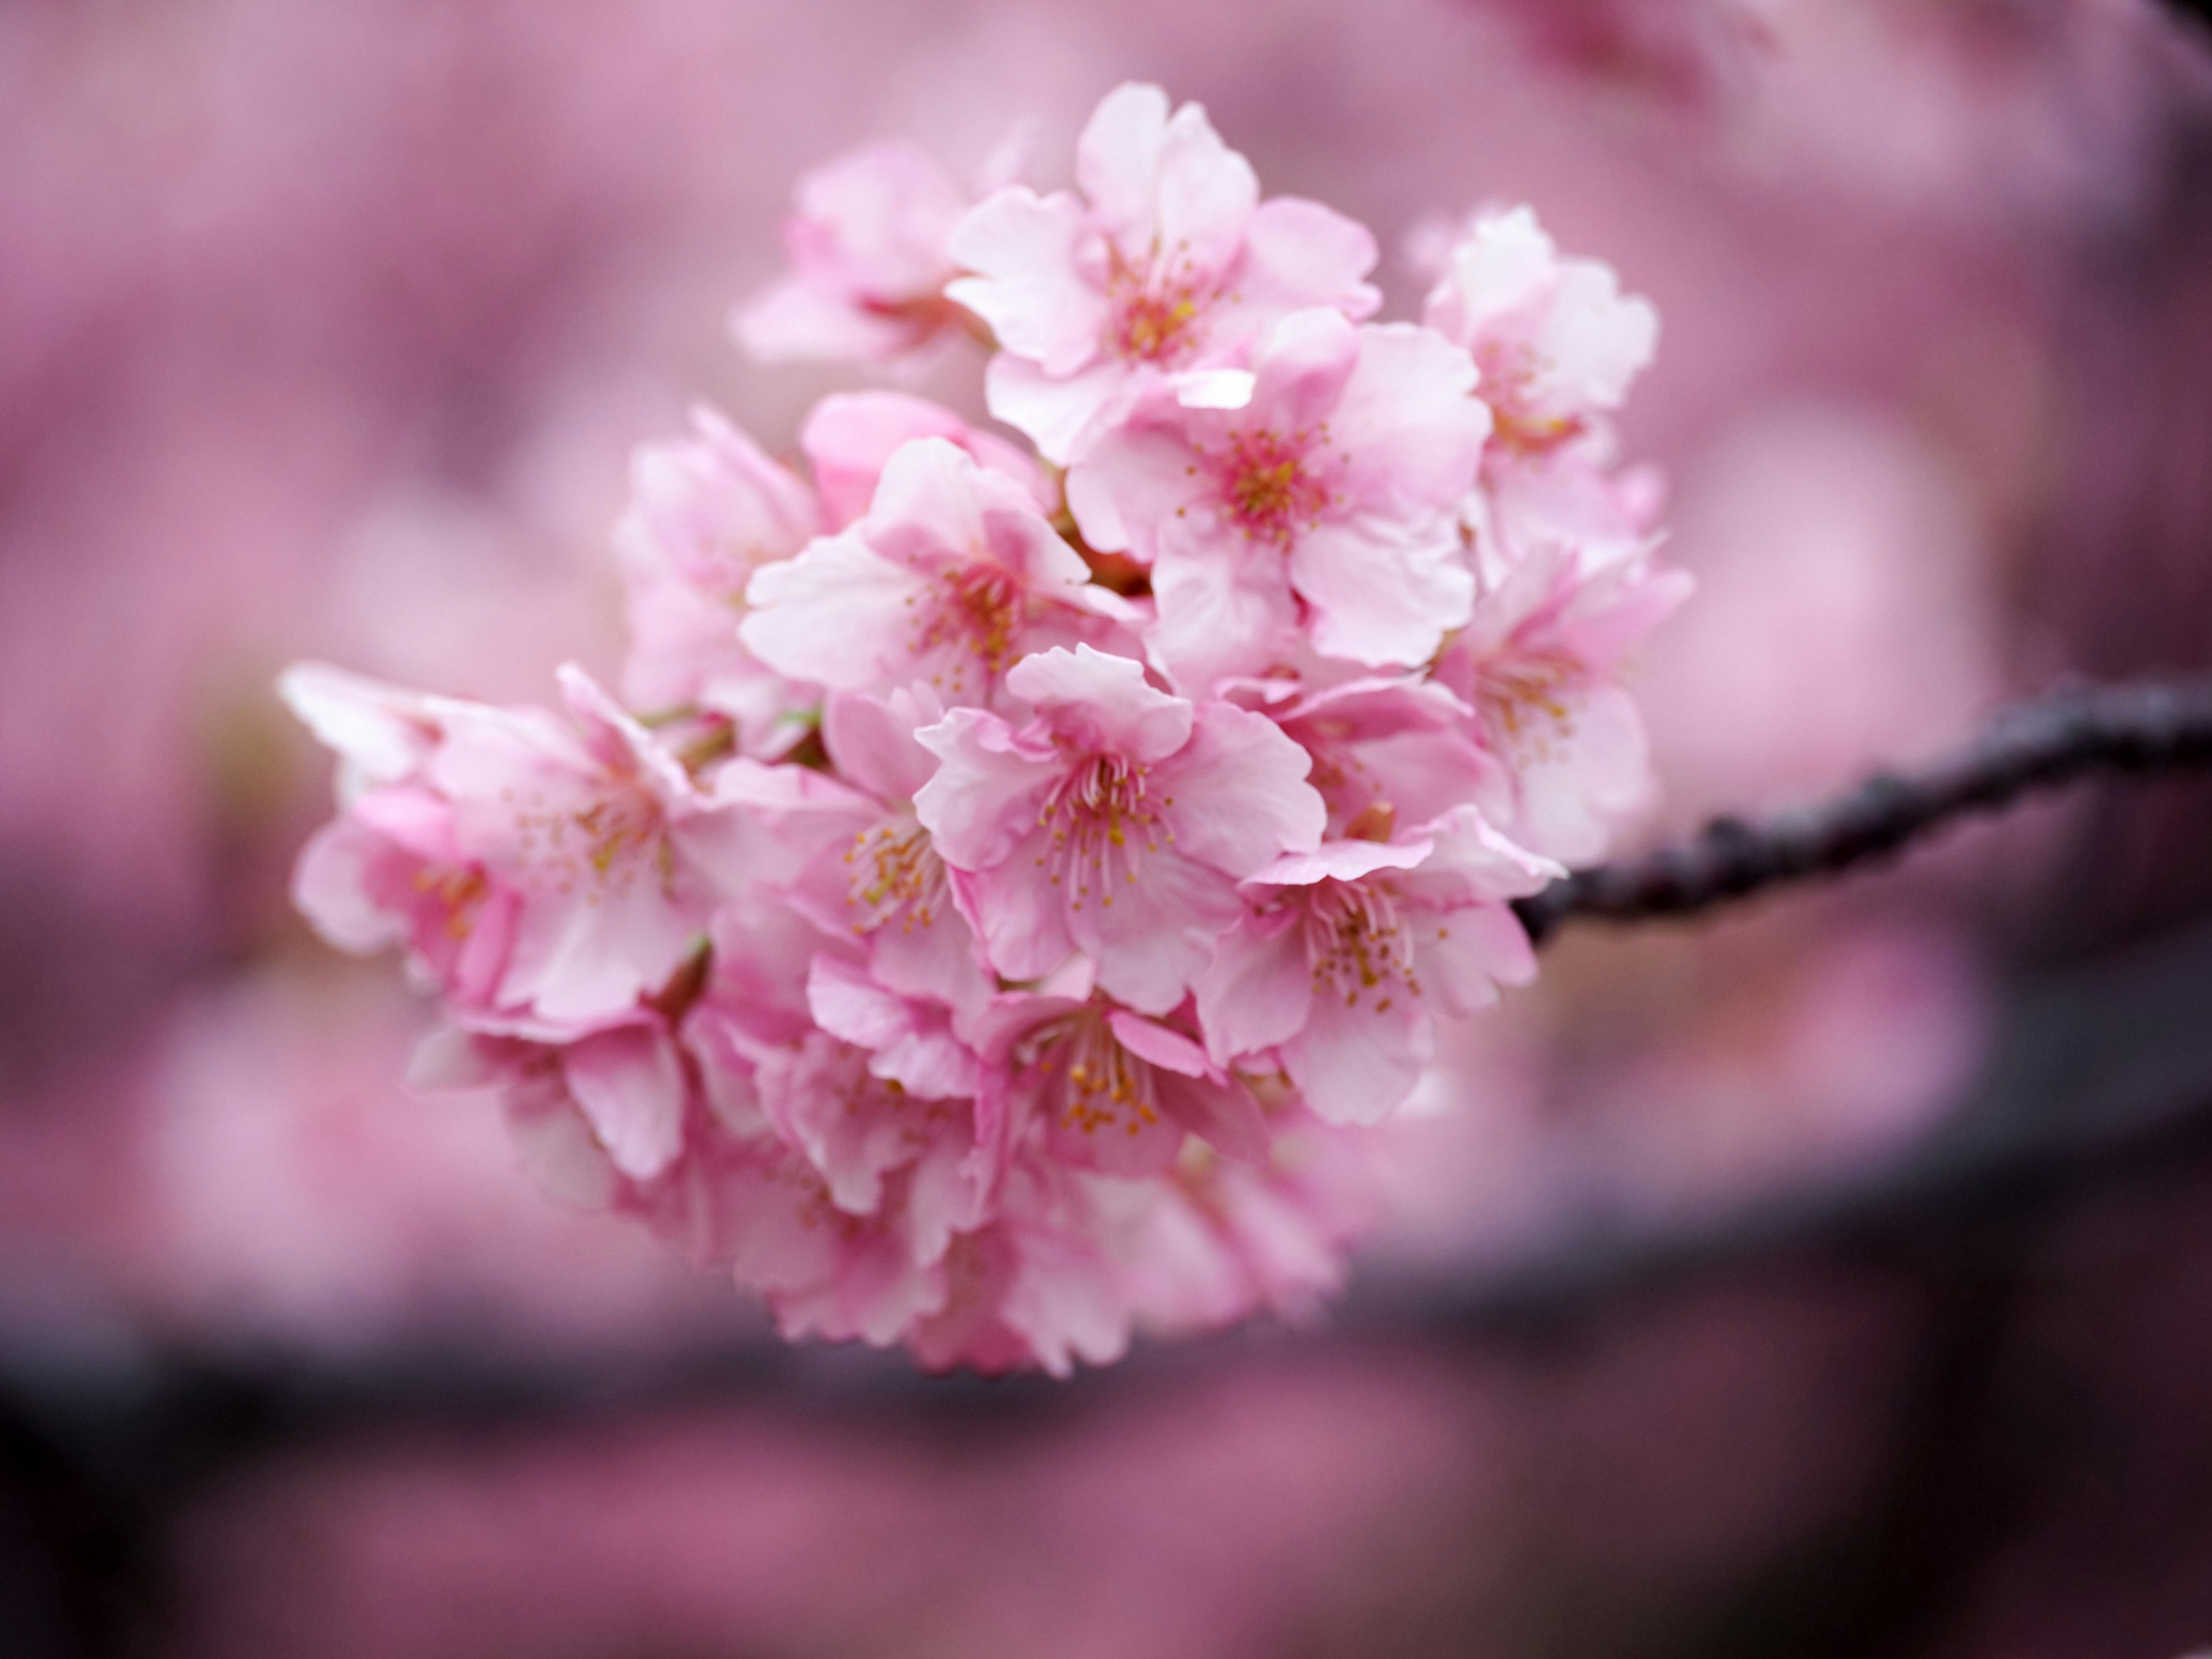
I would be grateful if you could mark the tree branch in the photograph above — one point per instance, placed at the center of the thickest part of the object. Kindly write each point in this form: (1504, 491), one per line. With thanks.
(2150, 725)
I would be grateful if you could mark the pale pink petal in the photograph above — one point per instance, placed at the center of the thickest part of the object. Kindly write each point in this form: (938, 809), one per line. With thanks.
(1468, 952)
(1240, 798)
(629, 1086)
(1299, 254)
(1259, 988)
(988, 786)
(1153, 935)
(1357, 1063)
(840, 615)
(1053, 411)
(1101, 704)
(1022, 249)
(1383, 594)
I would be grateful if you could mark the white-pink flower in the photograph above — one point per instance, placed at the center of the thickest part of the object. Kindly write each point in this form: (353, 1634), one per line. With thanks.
(868, 241)
(1166, 259)
(1350, 953)
(704, 513)
(1320, 489)
(1116, 823)
(1557, 341)
(952, 577)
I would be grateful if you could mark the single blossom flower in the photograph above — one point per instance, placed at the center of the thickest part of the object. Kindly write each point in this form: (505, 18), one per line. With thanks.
(1166, 259)
(1106, 1088)
(1349, 954)
(886, 889)
(952, 577)
(1116, 823)
(1538, 663)
(557, 871)
(1387, 751)
(1319, 490)
(1556, 340)
(867, 242)
(705, 513)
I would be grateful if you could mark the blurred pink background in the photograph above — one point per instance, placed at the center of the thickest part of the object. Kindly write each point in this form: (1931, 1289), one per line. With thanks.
(325, 329)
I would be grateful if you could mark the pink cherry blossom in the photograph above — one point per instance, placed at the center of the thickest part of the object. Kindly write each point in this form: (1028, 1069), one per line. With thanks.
(1320, 490)
(1116, 823)
(704, 513)
(555, 870)
(1166, 259)
(1538, 663)
(850, 436)
(953, 576)
(868, 244)
(1220, 1240)
(886, 887)
(1386, 750)
(1349, 953)
(1105, 1089)
(1556, 340)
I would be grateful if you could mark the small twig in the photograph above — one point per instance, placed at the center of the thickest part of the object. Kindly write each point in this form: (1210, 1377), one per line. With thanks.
(2033, 745)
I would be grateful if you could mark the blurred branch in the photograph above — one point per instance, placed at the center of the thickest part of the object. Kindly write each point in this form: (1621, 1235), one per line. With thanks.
(2153, 725)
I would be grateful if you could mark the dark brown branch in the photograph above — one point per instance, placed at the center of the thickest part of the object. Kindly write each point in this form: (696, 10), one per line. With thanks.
(2055, 739)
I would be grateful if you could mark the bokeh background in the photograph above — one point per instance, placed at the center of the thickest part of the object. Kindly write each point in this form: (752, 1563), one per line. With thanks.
(1831, 1278)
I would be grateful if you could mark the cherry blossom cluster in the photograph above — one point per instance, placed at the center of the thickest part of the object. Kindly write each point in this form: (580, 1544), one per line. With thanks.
(1014, 881)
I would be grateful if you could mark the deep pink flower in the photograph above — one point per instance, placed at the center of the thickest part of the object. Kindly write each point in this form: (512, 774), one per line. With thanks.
(952, 577)
(704, 513)
(1349, 954)
(1116, 822)
(867, 244)
(1320, 489)
(1168, 258)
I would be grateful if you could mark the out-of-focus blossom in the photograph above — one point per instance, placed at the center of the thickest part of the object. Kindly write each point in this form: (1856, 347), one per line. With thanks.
(1167, 260)
(1556, 341)
(868, 248)
(704, 514)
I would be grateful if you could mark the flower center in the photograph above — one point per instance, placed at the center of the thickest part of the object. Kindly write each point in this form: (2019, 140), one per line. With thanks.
(1268, 490)
(1091, 1082)
(1511, 370)
(1101, 819)
(1358, 944)
(1526, 704)
(979, 608)
(601, 845)
(895, 873)
(1155, 314)
(459, 893)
